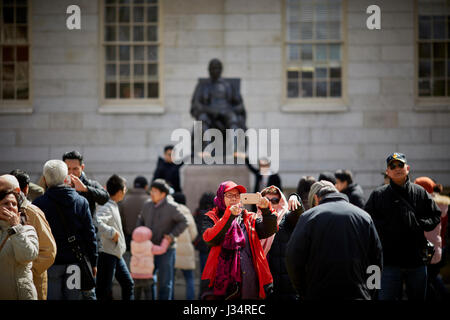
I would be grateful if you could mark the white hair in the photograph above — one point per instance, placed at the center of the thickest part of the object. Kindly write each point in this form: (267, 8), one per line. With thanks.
(55, 171)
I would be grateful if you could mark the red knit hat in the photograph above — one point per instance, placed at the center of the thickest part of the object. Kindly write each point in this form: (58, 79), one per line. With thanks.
(426, 183)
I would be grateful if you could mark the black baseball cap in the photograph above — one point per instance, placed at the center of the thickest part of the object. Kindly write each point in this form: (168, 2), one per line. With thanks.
(396, 156)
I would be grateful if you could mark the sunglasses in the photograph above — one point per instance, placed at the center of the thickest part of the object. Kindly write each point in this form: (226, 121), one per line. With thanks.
(400, 165)
(274, 200)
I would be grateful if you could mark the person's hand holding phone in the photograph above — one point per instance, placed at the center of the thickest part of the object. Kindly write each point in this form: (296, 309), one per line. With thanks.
(236, 209)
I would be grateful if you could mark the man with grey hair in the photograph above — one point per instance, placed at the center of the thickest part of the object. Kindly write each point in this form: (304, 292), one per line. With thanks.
(61, 198)
(331, 248)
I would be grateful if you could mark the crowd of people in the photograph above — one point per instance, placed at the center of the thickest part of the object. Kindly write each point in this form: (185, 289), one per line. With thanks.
(68, 237)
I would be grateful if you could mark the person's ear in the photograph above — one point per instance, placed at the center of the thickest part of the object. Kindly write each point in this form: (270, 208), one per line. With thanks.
(316, 200)
(26, 190)
(82, 167)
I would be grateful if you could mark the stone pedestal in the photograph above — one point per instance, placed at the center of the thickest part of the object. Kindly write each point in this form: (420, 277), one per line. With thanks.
(197, 179)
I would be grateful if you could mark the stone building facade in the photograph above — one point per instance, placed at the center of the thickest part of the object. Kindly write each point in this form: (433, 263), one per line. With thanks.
(380, 111)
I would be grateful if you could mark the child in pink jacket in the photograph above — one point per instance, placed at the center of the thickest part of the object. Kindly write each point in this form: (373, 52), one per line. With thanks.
(141, 264)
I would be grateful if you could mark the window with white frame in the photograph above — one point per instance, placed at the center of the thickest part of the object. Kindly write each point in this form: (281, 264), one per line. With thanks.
(130, 50)
(433, 49)
(14, 43)
(314, 49)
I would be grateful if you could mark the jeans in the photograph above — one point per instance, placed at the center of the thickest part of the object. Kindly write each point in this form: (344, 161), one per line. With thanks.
(143, 287)
(392, 279)
(108, 267)
(164, 270)
(203, 256)
(190, 289)
(89, 294)
(58, 288)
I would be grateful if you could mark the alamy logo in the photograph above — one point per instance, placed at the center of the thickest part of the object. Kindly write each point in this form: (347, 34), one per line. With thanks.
(374, 280)
(74, 279)
(74, 20)
(374, 21)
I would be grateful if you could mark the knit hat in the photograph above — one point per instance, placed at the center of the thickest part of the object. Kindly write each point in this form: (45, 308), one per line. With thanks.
(318, 186)
(141, 234)
(426, 183)
(226, 186)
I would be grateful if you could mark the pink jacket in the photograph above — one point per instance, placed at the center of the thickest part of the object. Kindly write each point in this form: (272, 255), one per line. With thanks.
(435, 235)
(142, 251)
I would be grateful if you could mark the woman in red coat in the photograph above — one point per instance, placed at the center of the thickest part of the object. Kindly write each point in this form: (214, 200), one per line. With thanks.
(236, 267)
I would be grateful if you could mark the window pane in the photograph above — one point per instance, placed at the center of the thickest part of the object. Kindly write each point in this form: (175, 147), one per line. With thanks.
(152, 53)
(124, 53)
(110, 90)
(334, 30)
(438, 27)
(8, 15)
(321, 52)
(22, 53)
(125, 90)
(425, 68)
(110, 53)
(334, 9)
(138, 14)
(110, 14)
(138, 33)
(110, 72)
(424, 88)
(124, 1)
(335, 52)
(21, 34)
(292, 89)
(22, 91)
(8, 72)
(292, 75)
(306, 89)
(424, 50)
(320, 12)
(124, 14)
(152, 90)
(321, 89)
(152, 71)
(124, 71)
(306, 11)
(424, 27)
(306, 50)
(335, 72)
(124, 33)
(293, 52)
(307, 74)
(439, 50)
(152, 34)
(293, 31)
(438, 88)
(292, 12)
(9, 33)
(448, 70)
(321, 30)
(335, 88)
(138, 53)
(321, 72)
(8, 91)
(22, 71)
(306, 30)
(21, 15)
(138, 90)
(138, 70)
(110, 34)
(152, 14)
(439, 69)
(8, 54)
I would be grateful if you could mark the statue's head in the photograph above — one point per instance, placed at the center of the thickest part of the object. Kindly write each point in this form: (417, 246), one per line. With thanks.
(215, 69)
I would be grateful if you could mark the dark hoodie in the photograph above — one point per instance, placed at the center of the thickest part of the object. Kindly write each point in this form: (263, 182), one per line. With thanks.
(78, 216)
(355, 195)
(169, 172)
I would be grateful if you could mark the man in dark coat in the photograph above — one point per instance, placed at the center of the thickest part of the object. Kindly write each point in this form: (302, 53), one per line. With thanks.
(169, 171)
(344, 183)
(331, 248)
(402, 211)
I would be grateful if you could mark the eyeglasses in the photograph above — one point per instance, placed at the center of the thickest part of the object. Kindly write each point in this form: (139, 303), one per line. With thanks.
(233, 196)
(274, 200)
(400, 165)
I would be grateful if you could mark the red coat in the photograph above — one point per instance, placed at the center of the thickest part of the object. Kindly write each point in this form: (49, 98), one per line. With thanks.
(259, 259)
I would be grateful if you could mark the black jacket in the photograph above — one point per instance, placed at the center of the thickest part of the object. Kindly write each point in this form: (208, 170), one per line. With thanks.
(76, 210)
(330, 249)
(401, 231)
(95, 194)
(355, 195)
(274, 179)
(282, 286)
(169, 172)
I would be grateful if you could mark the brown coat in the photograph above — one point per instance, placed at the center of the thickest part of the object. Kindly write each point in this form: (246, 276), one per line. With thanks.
(47, 247)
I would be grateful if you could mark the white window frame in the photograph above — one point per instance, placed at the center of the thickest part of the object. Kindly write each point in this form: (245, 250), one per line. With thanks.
(328, 104)
(131, 106)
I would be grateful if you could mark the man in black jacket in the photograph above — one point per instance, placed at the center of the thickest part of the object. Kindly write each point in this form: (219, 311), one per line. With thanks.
(90, 189)
(332, 247)
(402, 211)
(344, 183)
(166, 169)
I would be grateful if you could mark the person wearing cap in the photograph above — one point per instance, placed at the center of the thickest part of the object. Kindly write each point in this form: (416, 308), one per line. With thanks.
(132, 205)
(402, 211)
(331, 248)
(163, 216)
(237, 267)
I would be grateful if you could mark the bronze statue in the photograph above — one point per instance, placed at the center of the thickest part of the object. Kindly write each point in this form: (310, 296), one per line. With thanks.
(217, 102)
